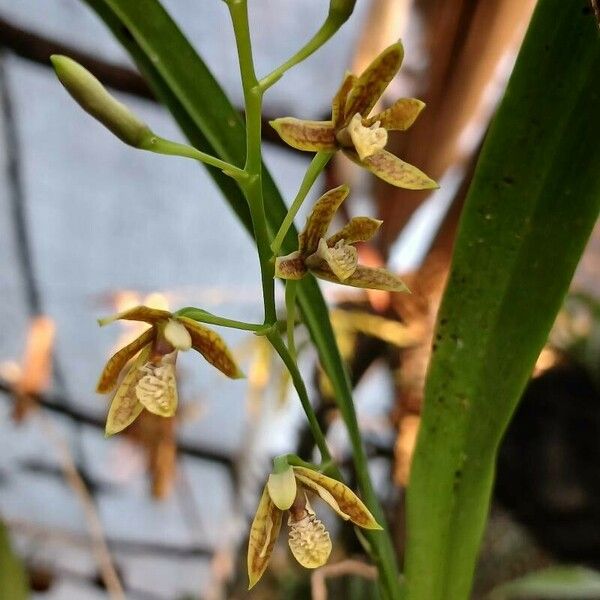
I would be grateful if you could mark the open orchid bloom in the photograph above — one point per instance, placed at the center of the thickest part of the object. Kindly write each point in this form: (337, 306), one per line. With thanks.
(335, 258)
(150, 382)
(309, 541)
(360, 136)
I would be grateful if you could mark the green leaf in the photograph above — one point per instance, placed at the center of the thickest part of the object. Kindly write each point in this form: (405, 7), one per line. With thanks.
(184, 84)
(13, 579)
(554, 583)
(531, 207)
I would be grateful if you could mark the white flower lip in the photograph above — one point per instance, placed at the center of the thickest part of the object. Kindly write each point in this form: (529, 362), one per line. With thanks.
(367, 140)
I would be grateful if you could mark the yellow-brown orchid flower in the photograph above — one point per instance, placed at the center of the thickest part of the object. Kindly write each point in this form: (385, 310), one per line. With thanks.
(150, 381)
(363, 138)
(335, 258)
(309, 541)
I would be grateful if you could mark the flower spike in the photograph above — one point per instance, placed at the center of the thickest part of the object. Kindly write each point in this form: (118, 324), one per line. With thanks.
(353, 130)
(150, 382)
(289, 489)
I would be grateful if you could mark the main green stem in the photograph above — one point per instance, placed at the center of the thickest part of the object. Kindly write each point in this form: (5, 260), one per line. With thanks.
(252, 187)
(277, 342)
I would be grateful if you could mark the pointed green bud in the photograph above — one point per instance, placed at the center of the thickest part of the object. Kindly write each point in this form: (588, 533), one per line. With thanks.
(282, 488)
(93, 97)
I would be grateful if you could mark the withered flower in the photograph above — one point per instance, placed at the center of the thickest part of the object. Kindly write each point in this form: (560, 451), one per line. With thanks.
(336, 258)
(150, 382)
(309, 541)
(363, 138)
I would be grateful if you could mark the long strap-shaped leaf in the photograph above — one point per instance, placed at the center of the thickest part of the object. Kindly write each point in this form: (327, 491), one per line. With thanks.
(184, 84)
(532, 205)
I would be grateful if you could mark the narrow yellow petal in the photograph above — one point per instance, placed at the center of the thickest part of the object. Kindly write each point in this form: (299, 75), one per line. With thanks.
(339, 101)
(311, 136)
(399, 116)
(323, 493)
(290, 267)
(309, 541)
(157, 388)
(319, 219)
(347, 501)
(373, 81)
(125, 406)
(212, 346)
(342, 259)
(364, 277)
(116, 363)
(263, 535)
(358, 229)
(137, 313)
(395, 171)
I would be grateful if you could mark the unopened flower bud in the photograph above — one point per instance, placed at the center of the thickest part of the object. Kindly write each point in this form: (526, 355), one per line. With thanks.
(93, 97)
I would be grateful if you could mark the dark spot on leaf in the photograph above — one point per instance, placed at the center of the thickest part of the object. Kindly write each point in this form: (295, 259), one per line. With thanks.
(127, 33)
(508, 180)
(457, 477)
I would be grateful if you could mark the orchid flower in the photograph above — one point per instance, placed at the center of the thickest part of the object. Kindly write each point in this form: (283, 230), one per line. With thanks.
(362, 137)
(309, 541)
(335, 258)
(150, 383)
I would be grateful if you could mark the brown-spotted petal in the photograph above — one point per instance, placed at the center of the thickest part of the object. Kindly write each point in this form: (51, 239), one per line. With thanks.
(290, 267)
(339, 100)
(125, 406)
(342, 259)
(138, 313)
(212, 346)
(311, 136)
(116, 363)
(319, 219)
(263, 535)
(157, 388)
(358, 229)
(395, 171)
(365, 277)
(339, 496)
(399, 116)
(373, 81)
